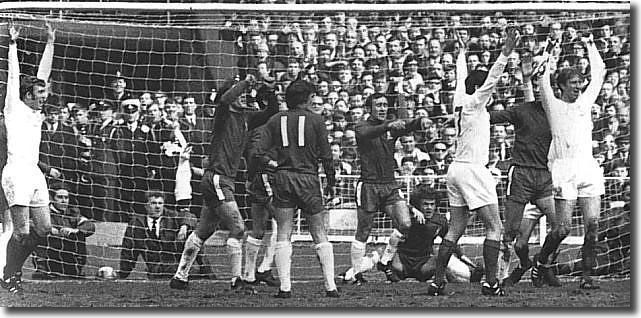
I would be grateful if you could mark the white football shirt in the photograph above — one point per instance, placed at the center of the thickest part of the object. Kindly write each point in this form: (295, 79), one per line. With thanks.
(472, 119)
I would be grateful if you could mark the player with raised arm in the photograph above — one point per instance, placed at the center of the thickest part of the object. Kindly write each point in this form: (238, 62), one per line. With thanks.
(298, 141)
(576, 175)
(261, 193)
(470, 185)
(233, 119)
(414, 256)
(24, 184)
(377, 189)
(529, 180)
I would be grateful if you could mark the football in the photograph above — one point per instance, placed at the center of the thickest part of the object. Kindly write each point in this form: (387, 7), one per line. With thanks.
(107, 272)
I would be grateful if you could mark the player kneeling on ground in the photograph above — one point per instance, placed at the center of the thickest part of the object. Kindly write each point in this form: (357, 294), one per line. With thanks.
(414, 255)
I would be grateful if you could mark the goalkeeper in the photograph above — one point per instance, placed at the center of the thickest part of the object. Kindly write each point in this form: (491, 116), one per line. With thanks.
(413, 257)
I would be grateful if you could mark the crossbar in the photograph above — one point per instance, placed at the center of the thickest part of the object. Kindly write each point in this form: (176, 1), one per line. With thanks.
(236, 7)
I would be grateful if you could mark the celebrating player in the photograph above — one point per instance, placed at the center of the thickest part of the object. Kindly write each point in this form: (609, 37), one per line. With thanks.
(529, 180)
(576, 175)
(414, 256)
(470, 185)
(377, 189)
(298, 138)
(261, 194)
(23, 182)
(233, 119)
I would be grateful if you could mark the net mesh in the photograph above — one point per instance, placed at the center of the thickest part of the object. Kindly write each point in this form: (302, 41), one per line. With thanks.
(167, 57)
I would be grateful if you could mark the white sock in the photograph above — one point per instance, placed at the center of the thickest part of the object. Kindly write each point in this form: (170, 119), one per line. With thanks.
(269, 241)
(391, 247)
(368, 262)
(235, 253)
(349, 274)
(325, 253)
(252, 245)
(283, 258)
(192, 247)
(357, 252)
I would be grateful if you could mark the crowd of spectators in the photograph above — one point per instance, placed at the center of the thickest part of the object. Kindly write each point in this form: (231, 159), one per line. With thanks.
(117, 148)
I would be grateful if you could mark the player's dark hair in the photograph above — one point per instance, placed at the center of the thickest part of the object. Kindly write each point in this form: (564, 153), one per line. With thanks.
(566, 74)
(27, 83)
(474, 81)
(369, 102)
(58, 185)
(421, 193)
(298, 93)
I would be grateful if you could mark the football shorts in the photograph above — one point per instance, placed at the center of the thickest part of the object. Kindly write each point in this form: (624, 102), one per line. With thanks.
(300, 190)
(216, 189)
(470, 185)
(261, 188)
(373, 197)
(574, 178)
(525, 184)
(24, 186)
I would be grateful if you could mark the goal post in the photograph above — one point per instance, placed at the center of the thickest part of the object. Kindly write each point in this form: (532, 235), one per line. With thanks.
(172, 51)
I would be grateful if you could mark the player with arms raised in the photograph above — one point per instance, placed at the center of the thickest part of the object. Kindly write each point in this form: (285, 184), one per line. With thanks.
(298, 141)
(470, 185)
(377, 189)
(576, 175)
(529, 180)
(234, 117)
(24, 184)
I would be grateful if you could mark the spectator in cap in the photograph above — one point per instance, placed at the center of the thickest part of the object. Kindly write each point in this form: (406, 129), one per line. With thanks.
(137, 158)
(103, 162)
(117, 90)
(623, 145)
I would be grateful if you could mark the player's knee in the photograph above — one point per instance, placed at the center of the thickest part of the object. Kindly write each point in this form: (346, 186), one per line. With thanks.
(562, 231)
(318, 236)
(363, 230)
(42, 230)
(493, 231)
(591, 229)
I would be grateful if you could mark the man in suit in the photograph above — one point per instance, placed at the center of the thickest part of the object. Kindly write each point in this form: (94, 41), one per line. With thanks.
(158, 236)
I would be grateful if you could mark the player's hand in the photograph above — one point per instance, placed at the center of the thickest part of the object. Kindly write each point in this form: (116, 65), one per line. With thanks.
(461, 44)
(272, 164)
(527, 66)
(512, 39)
(420, 218)
(587, 40)
(67, 231)
(182, 233)
(55, 231)
(51, 33)
(397, 124)
(14, 32)
(55, 173)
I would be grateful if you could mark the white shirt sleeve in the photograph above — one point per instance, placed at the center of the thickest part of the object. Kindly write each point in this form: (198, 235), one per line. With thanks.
(483, 93)
(597, 73)
(13, 80)
(547, 93)
(461, 75)
(44, 69)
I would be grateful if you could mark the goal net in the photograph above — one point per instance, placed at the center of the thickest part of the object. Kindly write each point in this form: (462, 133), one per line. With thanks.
(174, 58)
